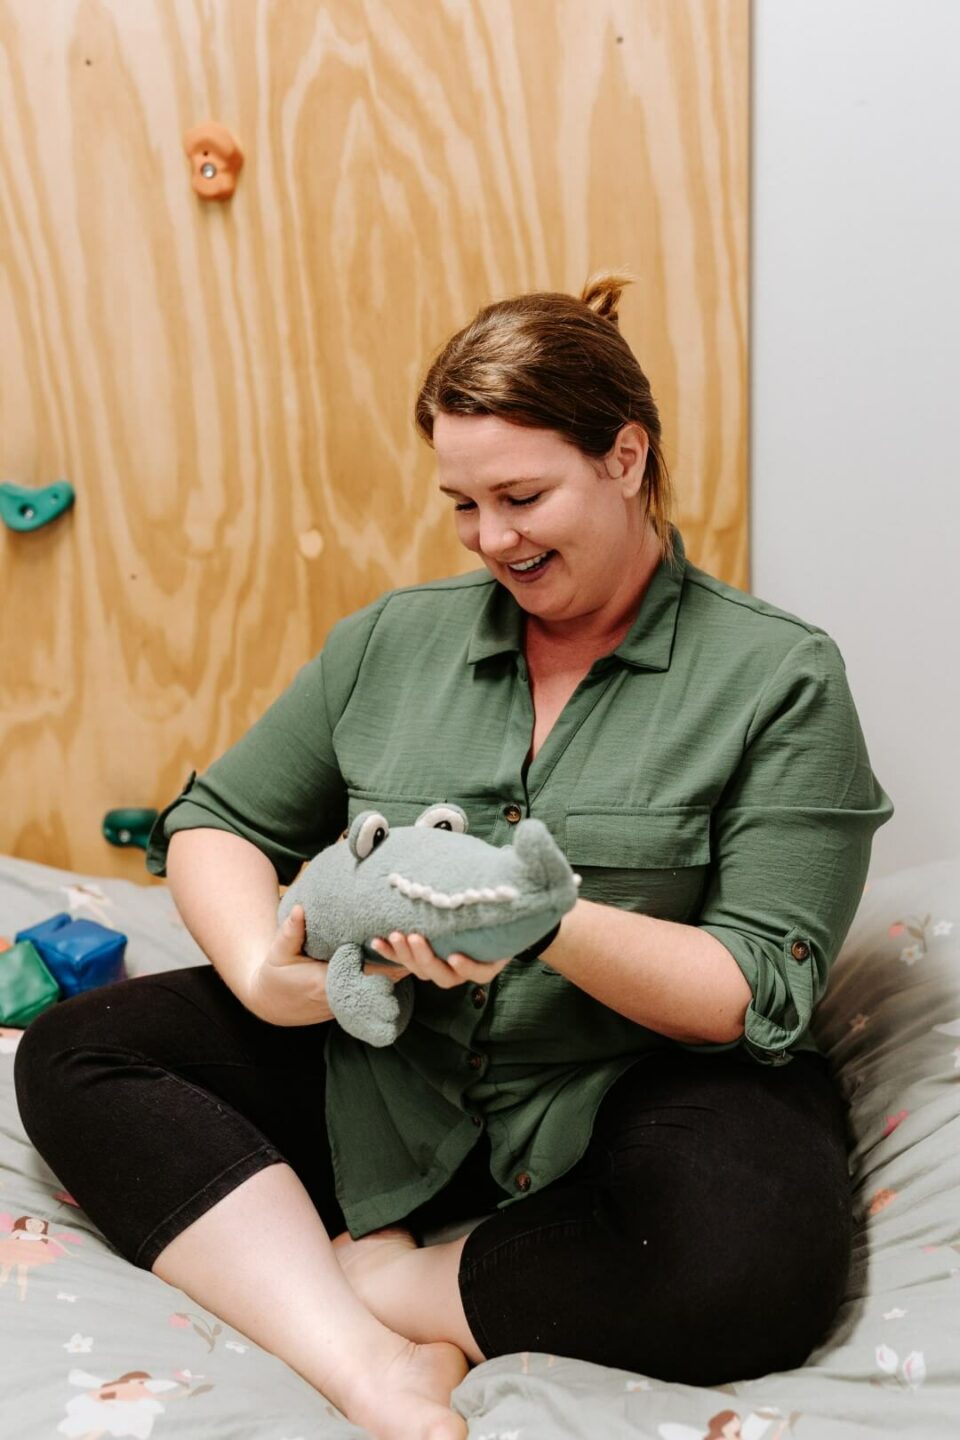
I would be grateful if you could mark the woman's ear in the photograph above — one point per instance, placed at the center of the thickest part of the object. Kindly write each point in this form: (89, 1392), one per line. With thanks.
(626, 459)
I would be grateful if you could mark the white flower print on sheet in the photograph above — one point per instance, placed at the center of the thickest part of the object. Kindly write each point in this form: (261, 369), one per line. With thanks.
(922, 931)
(909, 1375)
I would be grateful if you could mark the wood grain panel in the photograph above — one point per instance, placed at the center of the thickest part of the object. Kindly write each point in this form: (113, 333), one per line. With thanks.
(230, 387)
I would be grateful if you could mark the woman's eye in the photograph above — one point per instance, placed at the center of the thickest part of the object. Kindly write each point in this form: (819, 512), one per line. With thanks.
(527, 500)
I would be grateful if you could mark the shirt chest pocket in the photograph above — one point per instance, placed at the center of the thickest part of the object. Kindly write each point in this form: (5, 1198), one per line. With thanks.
(653, 861)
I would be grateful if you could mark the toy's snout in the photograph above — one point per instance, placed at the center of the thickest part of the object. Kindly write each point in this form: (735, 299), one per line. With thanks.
(540, 855)
(216, 160)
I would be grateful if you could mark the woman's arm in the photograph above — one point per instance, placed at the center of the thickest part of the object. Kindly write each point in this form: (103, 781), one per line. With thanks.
(790, 848)
(675, 979)
(227, 893)
(226, 890)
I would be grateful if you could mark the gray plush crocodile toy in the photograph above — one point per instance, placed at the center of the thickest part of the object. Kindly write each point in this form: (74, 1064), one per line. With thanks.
(431, 877)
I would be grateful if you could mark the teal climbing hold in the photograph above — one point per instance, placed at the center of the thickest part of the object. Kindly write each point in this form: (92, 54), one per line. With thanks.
(129, 827)
(23, 509)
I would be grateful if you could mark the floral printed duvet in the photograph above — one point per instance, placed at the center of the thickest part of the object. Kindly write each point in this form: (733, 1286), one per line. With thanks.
(92, 1347)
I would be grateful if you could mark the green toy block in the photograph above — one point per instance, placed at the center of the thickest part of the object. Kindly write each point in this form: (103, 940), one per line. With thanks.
(26, 986)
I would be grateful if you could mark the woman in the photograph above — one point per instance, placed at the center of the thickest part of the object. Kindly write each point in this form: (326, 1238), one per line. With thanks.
(639, 1111)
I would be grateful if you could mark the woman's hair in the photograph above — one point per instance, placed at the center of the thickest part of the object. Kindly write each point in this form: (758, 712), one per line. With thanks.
(555, 363)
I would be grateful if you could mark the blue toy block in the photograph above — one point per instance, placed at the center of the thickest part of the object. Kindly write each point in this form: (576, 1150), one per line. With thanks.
(80, 954)
(45, 930)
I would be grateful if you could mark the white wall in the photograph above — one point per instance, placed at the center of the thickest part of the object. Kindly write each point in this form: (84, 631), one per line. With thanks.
(855, 426)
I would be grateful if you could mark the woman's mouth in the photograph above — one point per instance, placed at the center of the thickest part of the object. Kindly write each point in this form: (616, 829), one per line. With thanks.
(532, 568)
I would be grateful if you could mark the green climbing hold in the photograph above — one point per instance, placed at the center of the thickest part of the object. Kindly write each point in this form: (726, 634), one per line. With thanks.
(129, 827)
(23, 509)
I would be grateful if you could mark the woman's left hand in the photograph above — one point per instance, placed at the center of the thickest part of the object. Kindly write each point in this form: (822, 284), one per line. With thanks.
(416, 954)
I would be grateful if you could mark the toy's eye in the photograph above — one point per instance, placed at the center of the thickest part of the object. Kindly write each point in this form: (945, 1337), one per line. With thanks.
(368, 830)
(444, 817)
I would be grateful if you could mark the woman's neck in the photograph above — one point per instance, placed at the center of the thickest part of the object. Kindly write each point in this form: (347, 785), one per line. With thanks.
(596, 634)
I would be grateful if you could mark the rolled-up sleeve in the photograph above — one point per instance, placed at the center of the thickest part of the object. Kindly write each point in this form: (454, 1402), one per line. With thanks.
(790, 844)
(280, 785)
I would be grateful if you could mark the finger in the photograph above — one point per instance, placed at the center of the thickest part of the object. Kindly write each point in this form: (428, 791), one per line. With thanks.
(428, 964)
(480, 972)
(292, 934)
(395, 948)
(394, 973)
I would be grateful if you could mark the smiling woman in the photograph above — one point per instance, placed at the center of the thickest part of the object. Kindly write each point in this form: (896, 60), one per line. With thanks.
(550, 362)
(697, 756)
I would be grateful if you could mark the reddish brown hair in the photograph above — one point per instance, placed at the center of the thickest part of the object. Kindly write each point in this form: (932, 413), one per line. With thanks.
(553, 362)
(719, 1422)
(21, 1224)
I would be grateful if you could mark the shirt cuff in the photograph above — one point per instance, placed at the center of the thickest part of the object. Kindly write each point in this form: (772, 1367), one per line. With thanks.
(193, 811)
(783, 985)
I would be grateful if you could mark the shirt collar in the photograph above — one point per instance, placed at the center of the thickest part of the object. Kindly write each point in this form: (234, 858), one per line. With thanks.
(647, 645)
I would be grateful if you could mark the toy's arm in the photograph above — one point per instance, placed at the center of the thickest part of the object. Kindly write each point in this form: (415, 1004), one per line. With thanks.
(370, 1007)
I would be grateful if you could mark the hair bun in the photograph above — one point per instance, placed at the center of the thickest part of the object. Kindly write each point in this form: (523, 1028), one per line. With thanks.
(602, 293)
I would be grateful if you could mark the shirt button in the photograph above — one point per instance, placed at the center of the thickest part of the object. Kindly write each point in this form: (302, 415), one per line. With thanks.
(478, 996)
(477, 1120)
(513, 813)
(475, 1061)
(799, 951)
(523, 1181)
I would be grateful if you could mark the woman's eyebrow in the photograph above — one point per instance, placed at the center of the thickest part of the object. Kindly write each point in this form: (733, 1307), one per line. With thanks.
(502, 485)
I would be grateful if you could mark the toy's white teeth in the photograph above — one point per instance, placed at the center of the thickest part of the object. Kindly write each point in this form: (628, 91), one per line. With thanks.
(455, 900)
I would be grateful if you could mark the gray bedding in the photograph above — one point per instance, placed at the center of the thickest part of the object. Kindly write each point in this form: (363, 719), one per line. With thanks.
(74, 1317)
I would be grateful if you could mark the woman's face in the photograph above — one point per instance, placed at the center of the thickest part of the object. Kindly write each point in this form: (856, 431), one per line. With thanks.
(520, 494)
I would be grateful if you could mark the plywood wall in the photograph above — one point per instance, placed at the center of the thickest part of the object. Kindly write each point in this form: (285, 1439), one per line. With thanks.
(229, 387)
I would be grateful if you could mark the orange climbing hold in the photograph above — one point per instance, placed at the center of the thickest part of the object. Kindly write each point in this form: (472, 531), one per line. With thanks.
(216, 159)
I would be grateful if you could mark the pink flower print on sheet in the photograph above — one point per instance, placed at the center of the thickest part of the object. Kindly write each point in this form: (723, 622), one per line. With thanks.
(892, 1121)
(26, 1244)
(126, 1406)
(912, 1372)
(184, 1320)
(766, 1424)
(880, 1200)
(9, 1039)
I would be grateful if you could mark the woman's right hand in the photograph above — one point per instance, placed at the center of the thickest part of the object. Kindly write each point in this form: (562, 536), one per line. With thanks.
(290, 988)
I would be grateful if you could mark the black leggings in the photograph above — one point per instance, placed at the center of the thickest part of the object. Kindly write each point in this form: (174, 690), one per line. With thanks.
(704, 1237)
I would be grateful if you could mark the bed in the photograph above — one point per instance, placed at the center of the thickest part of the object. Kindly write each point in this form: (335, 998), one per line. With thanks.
(93, 1347)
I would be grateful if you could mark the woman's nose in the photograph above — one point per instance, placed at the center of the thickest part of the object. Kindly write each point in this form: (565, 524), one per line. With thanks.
(497, 537)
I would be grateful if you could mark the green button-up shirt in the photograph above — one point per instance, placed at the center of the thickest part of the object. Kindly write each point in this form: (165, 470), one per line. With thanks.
(711, 770)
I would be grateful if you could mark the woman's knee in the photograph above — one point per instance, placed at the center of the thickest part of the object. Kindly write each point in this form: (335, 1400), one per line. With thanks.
(665, 1276)
(38, 1063)
(731, 1283)
(71, 1050)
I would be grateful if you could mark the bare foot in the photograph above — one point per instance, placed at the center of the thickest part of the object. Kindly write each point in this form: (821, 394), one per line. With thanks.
(362, 1261)
(408, 1396)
